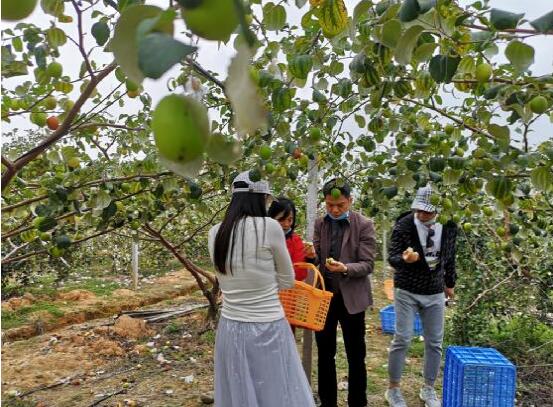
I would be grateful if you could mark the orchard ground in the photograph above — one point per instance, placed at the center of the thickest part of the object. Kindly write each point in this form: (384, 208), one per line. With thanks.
(171, 365)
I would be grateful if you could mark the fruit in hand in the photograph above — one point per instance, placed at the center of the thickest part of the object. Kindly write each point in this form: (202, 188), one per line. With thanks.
(410, 256)
(330, 261)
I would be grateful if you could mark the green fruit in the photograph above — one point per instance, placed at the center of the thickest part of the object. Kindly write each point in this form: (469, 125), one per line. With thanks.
(483, 72)
(56, 251)
(181, 128)
(436, 164)
(54, 69)
(449, 128)
(538, 104)
(255, 175)
(210, 19)
(39, 118)
(45, 236)
(125, 187)
(265, 152)
(131, 86)
(335, 193)
(467, 227)
(135, 224)
(513, 229)
(50, 102)
(13, 10)
(62, 241)
(74, 162)
(269, 168)
(447, 204)
(315, 134)
(304, 161)
(488, 211)
(500, 231)
(435, 200)
(459, 152)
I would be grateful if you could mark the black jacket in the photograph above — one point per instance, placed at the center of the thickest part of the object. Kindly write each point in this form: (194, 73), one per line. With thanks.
(417, 277)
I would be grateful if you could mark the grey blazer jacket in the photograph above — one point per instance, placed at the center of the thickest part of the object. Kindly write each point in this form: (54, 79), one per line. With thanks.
(358, 253)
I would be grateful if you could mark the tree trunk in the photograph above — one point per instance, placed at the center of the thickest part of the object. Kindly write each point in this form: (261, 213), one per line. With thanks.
(311, 215)
(134, 264)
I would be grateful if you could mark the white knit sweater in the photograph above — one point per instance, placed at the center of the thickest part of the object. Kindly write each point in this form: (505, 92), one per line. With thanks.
(250, 293)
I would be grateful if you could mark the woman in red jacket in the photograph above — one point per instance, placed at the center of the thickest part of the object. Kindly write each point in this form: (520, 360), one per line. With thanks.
(283, 211)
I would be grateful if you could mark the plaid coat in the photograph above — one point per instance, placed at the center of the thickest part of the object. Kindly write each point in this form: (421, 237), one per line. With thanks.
(417, 277)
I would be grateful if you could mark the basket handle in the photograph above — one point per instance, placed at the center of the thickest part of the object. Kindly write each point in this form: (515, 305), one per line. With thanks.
(316, 273)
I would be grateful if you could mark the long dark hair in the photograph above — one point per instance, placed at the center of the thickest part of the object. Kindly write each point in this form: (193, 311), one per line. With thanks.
(242, 205)
(285, 207)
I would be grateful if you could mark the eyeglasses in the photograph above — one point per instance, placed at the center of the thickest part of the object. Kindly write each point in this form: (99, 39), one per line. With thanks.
(429, 241)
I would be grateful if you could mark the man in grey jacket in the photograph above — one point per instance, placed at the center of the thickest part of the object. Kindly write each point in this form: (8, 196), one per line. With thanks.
(344, 247)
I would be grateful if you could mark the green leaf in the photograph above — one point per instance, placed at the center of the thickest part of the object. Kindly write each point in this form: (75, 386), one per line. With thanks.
(409, 10)
(333, 17)
(406, 44)
(406, 181)
(520, 55)
(360, 121)
(443, 67)
(274, 16)
(102, 200)
(391, 32)
(544, 23)
(11, 67)
(504, 20)
(100, 32)
(56, 37)
(53, 7)
(424, 52)
(500, 134)
(451, 176)
(157, 53)
(542, 178)
(361, 10)
(125, 42)
(426, 5)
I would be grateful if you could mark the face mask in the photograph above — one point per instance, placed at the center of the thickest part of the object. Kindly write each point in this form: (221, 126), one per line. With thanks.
(343, 216)
(429, 222)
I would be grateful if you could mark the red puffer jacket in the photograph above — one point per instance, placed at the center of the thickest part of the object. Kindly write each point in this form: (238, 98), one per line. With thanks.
(296, 250)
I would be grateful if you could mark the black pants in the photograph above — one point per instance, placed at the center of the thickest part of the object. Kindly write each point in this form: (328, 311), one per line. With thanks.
(353, 328)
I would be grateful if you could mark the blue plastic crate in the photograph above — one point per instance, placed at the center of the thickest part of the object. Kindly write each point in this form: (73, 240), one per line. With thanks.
(478, 377)
(388, 321)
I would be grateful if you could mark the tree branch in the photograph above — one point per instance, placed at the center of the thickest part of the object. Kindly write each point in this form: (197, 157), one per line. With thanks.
(509, 30)
(202, 71)
(81, 39)
(199, 229)
(60, 132)
(456, 120)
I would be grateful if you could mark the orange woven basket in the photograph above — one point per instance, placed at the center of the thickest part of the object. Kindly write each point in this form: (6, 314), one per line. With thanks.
(305, 305)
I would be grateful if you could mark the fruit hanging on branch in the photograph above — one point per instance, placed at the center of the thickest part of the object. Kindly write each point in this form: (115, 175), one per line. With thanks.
(13, 10)
(213, 20)
(53, 123)
(181, 128)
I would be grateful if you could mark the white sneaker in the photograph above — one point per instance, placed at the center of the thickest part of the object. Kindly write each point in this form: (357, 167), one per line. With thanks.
(394, 398)
(429, 396)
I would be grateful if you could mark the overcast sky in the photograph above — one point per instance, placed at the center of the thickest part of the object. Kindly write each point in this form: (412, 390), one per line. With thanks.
(216, 57)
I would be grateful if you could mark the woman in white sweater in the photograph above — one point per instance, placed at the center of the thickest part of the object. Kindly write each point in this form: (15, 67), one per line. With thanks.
(256, 360)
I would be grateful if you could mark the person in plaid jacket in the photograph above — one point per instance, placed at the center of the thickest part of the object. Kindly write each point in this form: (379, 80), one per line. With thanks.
(422, 253)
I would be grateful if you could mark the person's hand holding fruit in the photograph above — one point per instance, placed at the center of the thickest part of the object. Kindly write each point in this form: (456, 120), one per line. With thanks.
(309, 250)
(335, 266)
(410, 256)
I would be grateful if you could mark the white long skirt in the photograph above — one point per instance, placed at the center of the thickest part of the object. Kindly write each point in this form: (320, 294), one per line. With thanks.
(258, 365)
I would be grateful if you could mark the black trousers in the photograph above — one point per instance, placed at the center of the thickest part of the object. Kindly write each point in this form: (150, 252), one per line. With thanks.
(353, 329)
